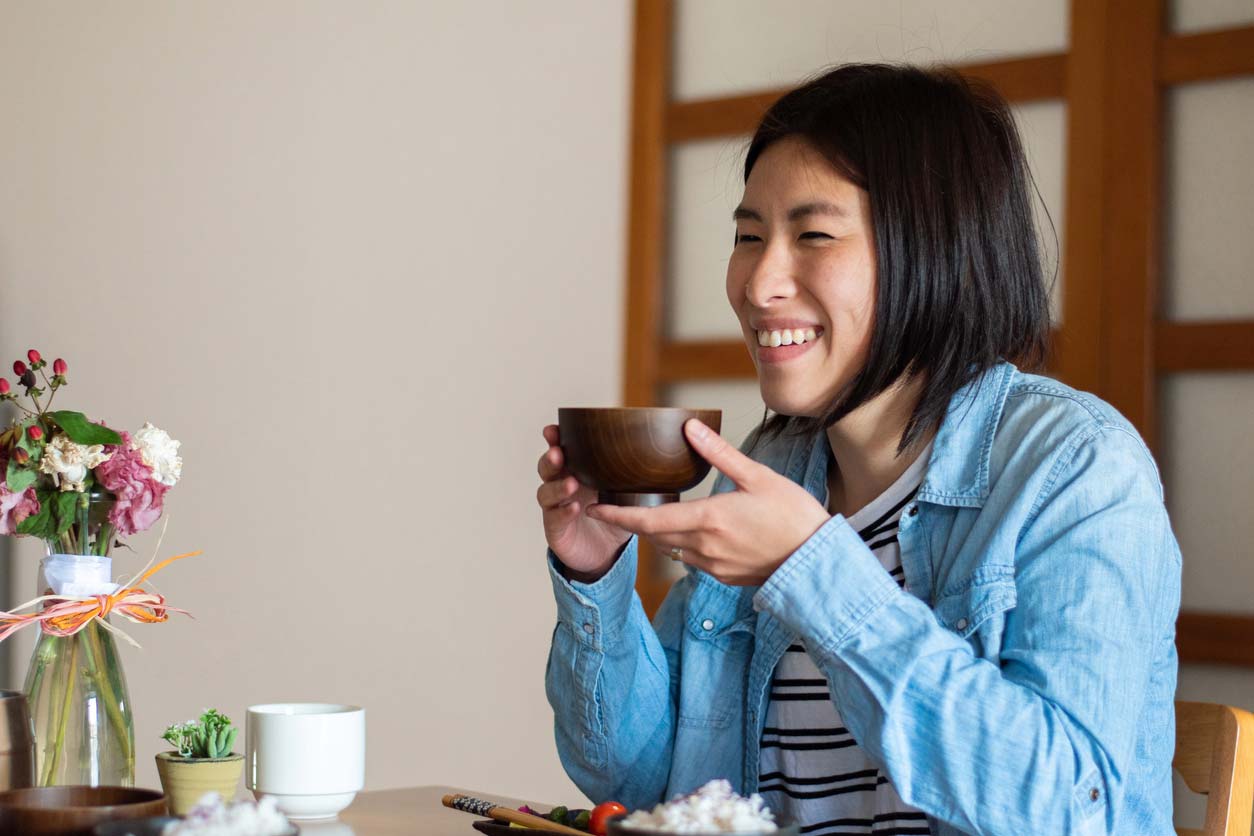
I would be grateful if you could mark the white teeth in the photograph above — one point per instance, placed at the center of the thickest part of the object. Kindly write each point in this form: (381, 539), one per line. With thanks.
(786, 336)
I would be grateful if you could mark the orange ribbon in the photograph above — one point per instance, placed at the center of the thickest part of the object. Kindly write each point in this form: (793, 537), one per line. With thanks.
(65, 615)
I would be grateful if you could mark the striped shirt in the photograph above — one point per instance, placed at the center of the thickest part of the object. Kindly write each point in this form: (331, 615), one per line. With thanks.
(811, 769)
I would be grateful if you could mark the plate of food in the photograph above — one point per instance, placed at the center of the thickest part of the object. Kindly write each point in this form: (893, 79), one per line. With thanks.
(714, 809)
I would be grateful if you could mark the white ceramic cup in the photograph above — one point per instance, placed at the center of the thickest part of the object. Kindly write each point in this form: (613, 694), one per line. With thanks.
(311, 757)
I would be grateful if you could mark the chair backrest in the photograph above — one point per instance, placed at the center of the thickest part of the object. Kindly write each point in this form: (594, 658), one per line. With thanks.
(1215, 757)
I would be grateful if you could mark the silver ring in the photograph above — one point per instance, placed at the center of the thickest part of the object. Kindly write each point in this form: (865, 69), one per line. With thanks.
(676, 553)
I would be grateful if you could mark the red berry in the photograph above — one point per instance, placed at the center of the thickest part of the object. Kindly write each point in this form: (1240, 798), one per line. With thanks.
(33, 356)
(59, 367)
(28, 379)
(4, 386)
(19, 368)
(34, 432)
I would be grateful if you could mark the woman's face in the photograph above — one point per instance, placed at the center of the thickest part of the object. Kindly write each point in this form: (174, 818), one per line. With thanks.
(803, 266)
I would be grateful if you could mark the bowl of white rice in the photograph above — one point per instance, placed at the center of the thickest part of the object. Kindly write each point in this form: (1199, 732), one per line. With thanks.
(714, 809)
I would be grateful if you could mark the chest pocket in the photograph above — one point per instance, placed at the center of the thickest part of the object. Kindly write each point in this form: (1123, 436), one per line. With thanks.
(976, 609)
(717, 647)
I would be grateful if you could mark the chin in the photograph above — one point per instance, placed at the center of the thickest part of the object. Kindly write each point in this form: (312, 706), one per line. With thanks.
(791, 403)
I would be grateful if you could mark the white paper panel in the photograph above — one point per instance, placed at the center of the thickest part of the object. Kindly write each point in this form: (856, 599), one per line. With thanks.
(1043, 127)
(726, 47)
(707, 182)
(1208, 470)
(1185, 16)
(1209, 201)
(1208, 683)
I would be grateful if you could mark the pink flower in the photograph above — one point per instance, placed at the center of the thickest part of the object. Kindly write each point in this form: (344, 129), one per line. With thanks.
(139, 494)
(15, 507)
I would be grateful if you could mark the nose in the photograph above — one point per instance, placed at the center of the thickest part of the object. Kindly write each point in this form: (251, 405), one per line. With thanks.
(771, 279)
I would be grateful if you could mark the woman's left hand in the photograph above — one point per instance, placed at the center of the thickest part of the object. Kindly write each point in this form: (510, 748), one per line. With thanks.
(739, 537)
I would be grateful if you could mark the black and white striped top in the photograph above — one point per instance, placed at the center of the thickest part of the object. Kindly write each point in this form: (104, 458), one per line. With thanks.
(811, 769)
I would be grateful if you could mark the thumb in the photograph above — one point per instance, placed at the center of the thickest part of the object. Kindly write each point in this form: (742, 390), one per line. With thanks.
(712, 447)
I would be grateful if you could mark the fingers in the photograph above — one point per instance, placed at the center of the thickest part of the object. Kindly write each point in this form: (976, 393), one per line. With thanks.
(672, 518)
(551, 464)
(557, 492)
(712, 447)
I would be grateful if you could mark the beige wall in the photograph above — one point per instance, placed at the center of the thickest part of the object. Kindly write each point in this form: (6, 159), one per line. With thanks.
(354, 256)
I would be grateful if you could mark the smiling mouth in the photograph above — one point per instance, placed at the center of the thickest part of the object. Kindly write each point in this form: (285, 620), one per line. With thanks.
(788, 336)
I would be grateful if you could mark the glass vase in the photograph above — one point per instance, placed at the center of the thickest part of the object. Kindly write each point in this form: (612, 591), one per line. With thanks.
(75, 685)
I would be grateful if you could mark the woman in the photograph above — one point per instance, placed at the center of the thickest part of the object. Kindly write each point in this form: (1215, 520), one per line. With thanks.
(936, 594)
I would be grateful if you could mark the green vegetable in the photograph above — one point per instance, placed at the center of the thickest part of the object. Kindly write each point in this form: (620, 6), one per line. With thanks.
(557, 814)
(581, 820)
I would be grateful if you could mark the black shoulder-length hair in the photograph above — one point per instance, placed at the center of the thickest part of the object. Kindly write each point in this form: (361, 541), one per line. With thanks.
(960, 283)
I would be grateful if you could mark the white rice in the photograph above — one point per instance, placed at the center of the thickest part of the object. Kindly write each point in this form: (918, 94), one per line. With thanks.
(712, 809)
(210, 817)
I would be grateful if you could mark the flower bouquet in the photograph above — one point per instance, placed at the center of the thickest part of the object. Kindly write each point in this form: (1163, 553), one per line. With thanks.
(80, 487)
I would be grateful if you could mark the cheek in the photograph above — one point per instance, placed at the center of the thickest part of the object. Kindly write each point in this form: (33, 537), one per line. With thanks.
(735, 285)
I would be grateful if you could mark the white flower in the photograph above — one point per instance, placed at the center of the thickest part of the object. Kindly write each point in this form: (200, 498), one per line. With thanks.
(160, 452)
(67, 463)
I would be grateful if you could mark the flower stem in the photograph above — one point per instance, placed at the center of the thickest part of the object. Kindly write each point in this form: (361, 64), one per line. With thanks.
(71, 674)
(102, 539)
(52, 390)
(94, 650)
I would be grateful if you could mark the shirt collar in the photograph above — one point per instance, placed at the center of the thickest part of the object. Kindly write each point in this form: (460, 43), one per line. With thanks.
(959, 468)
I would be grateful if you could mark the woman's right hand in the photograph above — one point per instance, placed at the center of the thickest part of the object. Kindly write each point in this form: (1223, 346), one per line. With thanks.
(586, 547)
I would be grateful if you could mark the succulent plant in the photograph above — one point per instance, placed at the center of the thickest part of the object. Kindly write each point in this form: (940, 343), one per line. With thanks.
(212, 736)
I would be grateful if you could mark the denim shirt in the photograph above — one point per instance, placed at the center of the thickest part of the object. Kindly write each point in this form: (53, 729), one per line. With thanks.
(1022, 682)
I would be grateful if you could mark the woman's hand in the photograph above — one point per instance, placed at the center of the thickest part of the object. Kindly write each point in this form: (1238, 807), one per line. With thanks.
(739, 537)
(587, 547)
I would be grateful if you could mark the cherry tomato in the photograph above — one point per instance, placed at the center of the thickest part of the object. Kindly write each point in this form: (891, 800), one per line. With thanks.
(601, 814)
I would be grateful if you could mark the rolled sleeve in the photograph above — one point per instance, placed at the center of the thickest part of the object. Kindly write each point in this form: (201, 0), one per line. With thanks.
(596, 612)
(853, 581)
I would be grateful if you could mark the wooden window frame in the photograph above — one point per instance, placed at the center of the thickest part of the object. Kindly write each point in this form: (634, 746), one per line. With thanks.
(1113, 341)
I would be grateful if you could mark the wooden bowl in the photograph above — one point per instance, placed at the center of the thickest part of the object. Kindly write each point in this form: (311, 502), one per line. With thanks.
(73, 811)
(634, 456)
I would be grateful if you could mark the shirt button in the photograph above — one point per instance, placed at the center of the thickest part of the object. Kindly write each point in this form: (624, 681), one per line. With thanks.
(1094, 794)
(962, 624)
(914, 510)
(589, 629)
(707, 625)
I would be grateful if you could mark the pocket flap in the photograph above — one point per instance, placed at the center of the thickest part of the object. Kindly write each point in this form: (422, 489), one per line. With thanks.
(988, 592)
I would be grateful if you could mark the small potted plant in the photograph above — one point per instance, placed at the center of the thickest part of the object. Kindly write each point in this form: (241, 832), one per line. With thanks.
(202, 761)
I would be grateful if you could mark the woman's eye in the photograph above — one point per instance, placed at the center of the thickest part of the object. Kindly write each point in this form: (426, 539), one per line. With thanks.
(742, 238)
(815, 235)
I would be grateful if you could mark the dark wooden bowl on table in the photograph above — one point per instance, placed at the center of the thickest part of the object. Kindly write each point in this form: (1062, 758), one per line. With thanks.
(153, 826)
(634, 456)
(73, 811)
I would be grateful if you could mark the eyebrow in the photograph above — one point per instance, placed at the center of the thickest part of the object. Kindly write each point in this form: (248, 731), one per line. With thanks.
(797, 212)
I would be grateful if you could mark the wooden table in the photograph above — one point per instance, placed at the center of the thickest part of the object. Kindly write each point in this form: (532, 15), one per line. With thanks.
(406, 812)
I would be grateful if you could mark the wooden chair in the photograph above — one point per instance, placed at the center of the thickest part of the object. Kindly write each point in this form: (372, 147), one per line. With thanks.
(1215, 757)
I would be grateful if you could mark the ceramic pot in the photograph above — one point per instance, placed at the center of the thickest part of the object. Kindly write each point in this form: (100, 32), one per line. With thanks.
(186, 780)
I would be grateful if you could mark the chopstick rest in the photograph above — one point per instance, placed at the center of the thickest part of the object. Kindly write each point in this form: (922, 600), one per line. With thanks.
(479, 807)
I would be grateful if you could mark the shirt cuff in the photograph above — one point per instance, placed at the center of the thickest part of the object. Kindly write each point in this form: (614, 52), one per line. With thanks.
(596, 612)
(828, 587)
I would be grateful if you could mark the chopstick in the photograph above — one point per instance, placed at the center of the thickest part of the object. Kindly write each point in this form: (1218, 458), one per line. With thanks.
(479, 807)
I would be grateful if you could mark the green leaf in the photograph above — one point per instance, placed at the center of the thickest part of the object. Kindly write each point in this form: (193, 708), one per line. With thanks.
(19, 477)
(65, 507)
(82, 431)
(42, 525)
